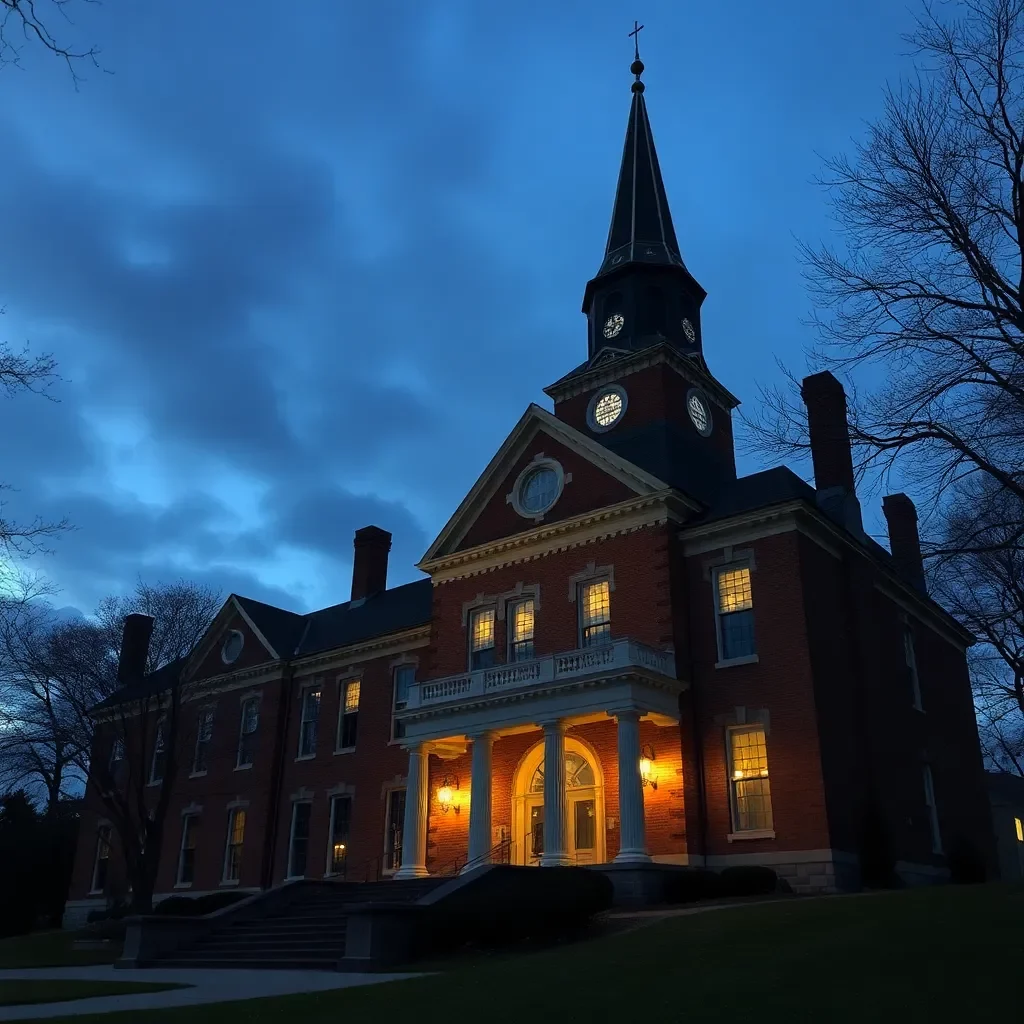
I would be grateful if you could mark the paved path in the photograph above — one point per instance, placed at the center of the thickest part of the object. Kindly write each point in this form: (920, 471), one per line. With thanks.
(209, 986)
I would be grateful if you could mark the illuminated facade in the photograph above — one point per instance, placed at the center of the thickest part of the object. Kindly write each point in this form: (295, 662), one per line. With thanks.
(621, 653)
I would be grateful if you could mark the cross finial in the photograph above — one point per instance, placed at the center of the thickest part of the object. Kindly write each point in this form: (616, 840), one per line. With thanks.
(636, 40)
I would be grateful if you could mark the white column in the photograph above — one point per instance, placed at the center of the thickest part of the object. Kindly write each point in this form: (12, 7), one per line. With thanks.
(480, 802)
(554, 796)
(414, 828)
(632, 836)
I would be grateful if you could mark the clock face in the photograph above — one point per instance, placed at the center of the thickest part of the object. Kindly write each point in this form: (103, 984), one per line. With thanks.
(688, 330)
(613, 325)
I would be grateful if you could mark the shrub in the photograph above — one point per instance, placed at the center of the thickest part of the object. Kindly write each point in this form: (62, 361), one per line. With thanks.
(115, 912)
(966, 865)
(748, 880)
(509, 904)
(691, 884)
(188, 906)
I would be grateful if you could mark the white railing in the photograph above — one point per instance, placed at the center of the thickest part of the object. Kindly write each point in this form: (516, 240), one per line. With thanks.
(610, 657)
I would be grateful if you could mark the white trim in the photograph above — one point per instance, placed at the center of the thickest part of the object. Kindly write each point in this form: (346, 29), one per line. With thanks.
(910, 657)
(243, 702)
(746, 659)
(185, 820)
(158, 736)
(740, 561)
(540, 461)
(233, 808)
(201, 714)
(252, 625)
(602, 392)
(754, 833)
(100, 828)
(296, 804)
(387, 789)
(698, 394)
(231, 633)
(396, 667)
(332, 803)
(304, 688)
(933, 810)
(736, 832)
(344, 682)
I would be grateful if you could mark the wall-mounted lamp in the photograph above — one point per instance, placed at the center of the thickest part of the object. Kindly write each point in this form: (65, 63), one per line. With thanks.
(447, 792)
(647, 766)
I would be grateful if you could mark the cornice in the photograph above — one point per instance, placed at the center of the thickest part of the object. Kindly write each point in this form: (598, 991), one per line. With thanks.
(383, 646)
(624, 517)
(656, 355)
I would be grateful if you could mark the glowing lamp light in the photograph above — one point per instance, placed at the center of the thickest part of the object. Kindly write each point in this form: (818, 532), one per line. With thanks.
(647, 766)
(446, 794)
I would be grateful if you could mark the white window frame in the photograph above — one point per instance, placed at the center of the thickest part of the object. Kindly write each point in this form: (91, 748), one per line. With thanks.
(387, 827)
(116, 753)
(343, 685)
(104, 835)
(159, 744)
(291, 837)
(737, 832)
(246, 701)
(482, 609)
(199, 741)
(716, 573)
(232, 814)
(510, 613)
(335, 798)
(405, 666)
(187, 821)
(933, 810)
(910, 656)
(303, 721)
(581, 587)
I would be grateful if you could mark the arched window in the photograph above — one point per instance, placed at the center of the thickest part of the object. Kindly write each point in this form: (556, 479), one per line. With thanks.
(578, 773)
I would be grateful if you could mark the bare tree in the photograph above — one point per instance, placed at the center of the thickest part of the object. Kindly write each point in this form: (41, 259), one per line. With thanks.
(56, 674)
(42, 23)
(930, 286)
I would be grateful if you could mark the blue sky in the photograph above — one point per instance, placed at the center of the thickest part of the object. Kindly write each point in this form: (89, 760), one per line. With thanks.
(304, 266)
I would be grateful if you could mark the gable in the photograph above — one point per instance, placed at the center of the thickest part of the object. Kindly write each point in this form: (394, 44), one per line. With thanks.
(586, 487)
(207, 661)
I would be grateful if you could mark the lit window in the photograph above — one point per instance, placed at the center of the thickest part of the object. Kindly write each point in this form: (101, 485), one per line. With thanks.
(606, 408)
(204, 733)
(341, 818)
(405, 676)
(247, 731)
(101, 869)
(911, 659)
(933, 810)
(735, 613)
(1020, 830)
(595, 613)
(298, 850)
(187, 854)
(481, 638)
(236, 837)
(156, 769)
(309, 721)
(539, 490)
(520, 631)
(349, 718)
(748, 775)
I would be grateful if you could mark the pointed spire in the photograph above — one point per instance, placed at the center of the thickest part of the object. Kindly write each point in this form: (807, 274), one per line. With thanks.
(641, 229)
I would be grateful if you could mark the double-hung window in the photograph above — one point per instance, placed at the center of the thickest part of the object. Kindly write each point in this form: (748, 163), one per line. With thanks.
(394, 824)
(481, 638)
(247, 731)
(734, 613)
(101, 868)
(298, 848)
(348, 715)
(187, 853)
(236, 838)
(159, 762)
(204, 733)
(309, 721)
(405, 676)
(341, 820)
(520, 630)
(933, 810)
(595, 612)
(910, 656)
(751, 796)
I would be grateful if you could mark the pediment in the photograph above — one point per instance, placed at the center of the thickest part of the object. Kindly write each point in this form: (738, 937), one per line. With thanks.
(592, 478)
(207, 660)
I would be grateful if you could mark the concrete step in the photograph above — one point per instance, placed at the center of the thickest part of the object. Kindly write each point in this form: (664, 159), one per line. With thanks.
(285, 924)
(192, 962)
(270, 942)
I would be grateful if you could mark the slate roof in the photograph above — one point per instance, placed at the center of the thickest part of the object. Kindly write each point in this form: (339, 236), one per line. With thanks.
(156, 682)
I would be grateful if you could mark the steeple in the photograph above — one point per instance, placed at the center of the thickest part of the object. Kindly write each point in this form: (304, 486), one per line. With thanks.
(642, 294)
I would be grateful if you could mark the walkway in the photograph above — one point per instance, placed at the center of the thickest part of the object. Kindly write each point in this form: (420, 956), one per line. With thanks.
(209, 986)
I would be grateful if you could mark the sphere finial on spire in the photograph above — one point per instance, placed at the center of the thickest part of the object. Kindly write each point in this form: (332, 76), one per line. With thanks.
(637, 67)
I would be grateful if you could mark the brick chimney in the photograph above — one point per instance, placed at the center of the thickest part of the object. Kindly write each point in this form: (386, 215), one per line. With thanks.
(830, 449)
(370, 565)
(904, 541)
(131, 665)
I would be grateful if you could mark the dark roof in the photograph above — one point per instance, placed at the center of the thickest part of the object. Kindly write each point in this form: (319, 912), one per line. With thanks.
(296, 636)
(1007, 787)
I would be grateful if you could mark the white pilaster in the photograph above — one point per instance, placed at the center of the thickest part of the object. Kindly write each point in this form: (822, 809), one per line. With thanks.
(554, 796)
(480, 801)
(632, 834)
(414, 828)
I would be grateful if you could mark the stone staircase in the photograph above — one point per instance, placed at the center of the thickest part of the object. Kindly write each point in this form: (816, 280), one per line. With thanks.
(306, 933)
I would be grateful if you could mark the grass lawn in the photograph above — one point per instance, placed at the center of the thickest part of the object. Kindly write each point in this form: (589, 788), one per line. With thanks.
(52, 949)
(19, 993)
(920, 955)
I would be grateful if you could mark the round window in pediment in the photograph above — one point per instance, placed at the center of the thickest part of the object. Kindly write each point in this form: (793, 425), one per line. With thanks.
(232, 647)
(538, 488)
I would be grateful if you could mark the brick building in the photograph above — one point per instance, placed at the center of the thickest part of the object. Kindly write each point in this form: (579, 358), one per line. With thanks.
(621, 653)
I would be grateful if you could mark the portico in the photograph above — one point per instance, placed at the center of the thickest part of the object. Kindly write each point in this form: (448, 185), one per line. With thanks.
(562, 796)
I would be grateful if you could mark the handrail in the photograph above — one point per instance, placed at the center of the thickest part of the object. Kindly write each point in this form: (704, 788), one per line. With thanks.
(500, 853)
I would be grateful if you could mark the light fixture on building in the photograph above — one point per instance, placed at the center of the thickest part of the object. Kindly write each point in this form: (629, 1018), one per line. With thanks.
(647, 766)
(447, 793)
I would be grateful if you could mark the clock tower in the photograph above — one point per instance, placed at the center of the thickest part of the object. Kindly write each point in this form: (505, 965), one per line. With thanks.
(642, 295)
